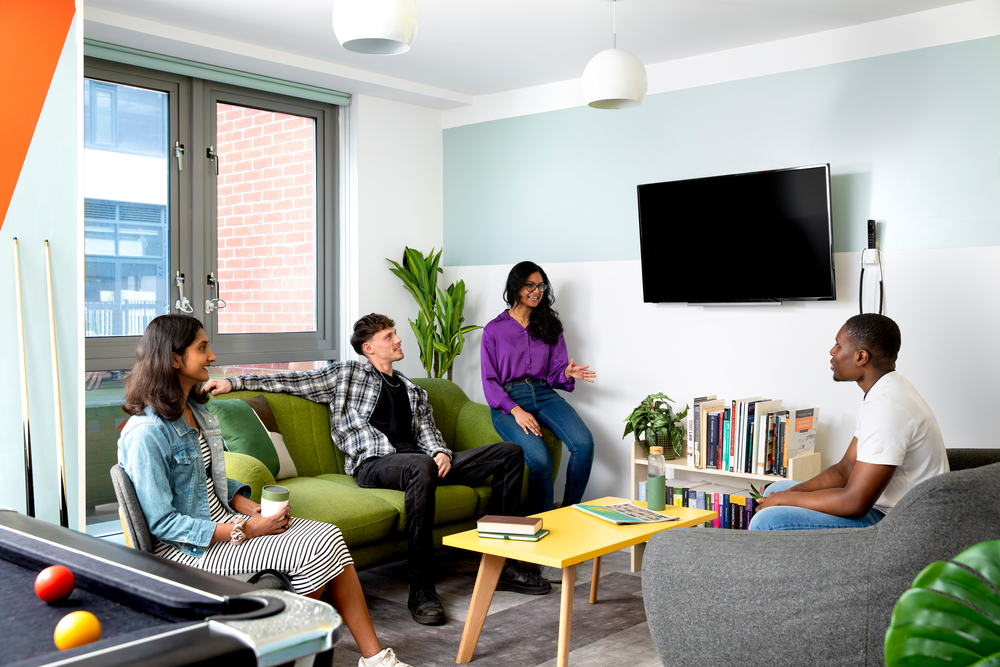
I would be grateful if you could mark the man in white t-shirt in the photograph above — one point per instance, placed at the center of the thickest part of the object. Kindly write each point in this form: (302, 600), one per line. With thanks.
(897, 443)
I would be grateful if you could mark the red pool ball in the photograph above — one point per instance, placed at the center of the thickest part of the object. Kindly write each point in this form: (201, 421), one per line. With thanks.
(54, 583)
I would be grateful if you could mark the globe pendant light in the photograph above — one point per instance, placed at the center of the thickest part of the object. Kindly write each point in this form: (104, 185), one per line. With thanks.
(614, 79)
(376, 27)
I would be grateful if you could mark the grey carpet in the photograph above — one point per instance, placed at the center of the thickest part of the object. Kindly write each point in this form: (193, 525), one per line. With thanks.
(520, 629)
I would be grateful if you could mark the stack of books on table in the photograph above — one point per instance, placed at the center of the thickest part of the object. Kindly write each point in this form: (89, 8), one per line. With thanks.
(525, 529)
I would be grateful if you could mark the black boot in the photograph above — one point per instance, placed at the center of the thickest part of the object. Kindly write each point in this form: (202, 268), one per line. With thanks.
(524, 578)
(425, 605)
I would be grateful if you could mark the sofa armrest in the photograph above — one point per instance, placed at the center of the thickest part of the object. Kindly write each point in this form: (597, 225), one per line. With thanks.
(475, 429)
(747, 598)
(245, 468)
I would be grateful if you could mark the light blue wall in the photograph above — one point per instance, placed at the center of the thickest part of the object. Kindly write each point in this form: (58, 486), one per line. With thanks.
(913, 140)
(45, 205)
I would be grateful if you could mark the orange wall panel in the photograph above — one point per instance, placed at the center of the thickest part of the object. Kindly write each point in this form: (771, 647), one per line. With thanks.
(32, 35)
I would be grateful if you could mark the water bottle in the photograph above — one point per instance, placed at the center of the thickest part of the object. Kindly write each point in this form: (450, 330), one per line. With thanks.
(656, 480)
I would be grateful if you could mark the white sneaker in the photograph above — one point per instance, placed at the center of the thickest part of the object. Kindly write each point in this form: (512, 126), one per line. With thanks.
(389, 659)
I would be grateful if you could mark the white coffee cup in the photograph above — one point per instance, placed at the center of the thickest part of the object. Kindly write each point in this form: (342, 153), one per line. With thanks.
(273, 500)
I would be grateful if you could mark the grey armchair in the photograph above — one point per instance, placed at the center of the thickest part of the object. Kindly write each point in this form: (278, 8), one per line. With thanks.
(820, 597)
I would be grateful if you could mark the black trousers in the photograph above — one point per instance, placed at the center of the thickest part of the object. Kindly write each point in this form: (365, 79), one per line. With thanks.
(417, 476)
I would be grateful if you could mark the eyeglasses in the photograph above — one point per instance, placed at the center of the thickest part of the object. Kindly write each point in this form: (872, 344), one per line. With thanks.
(531, 287)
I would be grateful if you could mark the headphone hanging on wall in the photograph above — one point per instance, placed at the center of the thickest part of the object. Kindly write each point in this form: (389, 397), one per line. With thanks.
(871, 260)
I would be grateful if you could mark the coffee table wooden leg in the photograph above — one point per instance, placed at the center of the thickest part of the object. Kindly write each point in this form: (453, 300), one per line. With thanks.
(595, 580)
(566, 615)
(482, 596)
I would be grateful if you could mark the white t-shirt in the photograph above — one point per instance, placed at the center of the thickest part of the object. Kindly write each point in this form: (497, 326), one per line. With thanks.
(896, 427)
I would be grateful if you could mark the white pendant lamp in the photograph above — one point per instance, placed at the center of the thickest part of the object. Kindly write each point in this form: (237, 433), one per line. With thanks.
(376, 27)
(614, 79)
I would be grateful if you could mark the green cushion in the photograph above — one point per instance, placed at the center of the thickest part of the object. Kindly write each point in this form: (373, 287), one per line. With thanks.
(362, 519)
(250, 471)
(243, 432)
(451, 503)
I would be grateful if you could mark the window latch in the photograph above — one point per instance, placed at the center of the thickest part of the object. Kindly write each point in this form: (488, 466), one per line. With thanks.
(217, 303)
(212, 155)
(182, 303)
(179, 154)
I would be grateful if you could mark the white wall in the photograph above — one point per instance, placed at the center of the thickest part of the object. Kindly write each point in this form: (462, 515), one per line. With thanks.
(398, 204)
(944, 301)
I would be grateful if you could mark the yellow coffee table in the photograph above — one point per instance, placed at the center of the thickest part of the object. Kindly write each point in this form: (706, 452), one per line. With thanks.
(573, 538)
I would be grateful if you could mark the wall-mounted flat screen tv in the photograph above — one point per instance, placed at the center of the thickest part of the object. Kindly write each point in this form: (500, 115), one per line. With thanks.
(756, 237)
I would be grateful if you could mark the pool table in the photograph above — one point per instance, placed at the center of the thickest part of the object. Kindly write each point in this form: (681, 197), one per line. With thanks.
(152, 611)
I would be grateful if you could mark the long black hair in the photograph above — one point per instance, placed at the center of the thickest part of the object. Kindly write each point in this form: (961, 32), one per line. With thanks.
(544, 321)
(153, 380)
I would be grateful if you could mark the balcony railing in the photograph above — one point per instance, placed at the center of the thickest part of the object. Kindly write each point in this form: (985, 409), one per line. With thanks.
(127, 318)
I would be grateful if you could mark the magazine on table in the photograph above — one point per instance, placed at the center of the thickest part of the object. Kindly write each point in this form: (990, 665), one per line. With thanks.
(622, 514)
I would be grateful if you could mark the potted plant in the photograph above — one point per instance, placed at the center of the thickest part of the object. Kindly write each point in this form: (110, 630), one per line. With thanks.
(438, 329)
(949, 615)
(655, 418)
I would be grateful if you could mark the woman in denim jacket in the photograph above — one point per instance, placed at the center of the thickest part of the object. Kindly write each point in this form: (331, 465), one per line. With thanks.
(172, 450)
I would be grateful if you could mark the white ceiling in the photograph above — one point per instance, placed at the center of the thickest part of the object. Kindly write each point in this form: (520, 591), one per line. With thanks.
(476, 47)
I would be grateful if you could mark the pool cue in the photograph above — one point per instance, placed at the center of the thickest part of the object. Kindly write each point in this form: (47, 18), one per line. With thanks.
(29, 477)
(61, 460)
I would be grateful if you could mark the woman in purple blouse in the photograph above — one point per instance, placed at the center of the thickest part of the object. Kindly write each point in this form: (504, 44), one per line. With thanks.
(524, 360)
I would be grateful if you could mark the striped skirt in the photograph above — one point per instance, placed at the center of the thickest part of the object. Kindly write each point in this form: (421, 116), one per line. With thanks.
(311, 553)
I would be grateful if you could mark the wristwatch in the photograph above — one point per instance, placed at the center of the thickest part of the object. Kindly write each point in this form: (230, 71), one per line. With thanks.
(238, 537)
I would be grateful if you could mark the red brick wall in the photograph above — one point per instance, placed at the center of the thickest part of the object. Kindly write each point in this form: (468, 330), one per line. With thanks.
(266, 221)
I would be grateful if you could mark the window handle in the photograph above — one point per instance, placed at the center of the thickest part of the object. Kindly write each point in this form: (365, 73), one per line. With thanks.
(217, 303)
(182, 304)
(179, 154)
(212, 155)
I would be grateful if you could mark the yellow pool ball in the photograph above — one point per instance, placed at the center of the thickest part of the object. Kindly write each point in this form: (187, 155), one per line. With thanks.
(76, 629)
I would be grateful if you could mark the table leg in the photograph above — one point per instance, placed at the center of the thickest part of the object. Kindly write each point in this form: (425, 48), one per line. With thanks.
(482, 596)
(566, 615)
(595, 580)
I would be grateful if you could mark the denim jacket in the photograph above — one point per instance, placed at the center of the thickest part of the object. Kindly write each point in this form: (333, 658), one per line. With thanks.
(163, 460)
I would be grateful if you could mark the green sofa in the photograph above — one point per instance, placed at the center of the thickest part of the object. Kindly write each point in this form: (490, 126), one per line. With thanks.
(373, 521)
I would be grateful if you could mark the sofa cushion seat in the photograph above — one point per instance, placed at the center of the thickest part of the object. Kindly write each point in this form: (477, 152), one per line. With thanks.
(362, 519)
(451, 503)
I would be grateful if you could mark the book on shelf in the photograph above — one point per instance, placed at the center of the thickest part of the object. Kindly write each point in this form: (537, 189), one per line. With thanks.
(509, 525)
(802, 432)
(763, 411)
(727, 424)
(640, 492)
(519, 538)
(712, 440)
(694, 431)
(623, 513)
(701, 430)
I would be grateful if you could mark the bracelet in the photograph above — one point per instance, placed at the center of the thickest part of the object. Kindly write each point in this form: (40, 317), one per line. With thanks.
(237, 537)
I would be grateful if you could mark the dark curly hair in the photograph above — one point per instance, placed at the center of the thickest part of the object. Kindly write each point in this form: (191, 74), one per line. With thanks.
(544, 322)
(879, 335)
(368, 326)
(153, 380)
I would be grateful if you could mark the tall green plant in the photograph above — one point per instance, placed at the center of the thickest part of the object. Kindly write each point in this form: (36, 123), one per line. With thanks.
(438, 328)
(450, 337)
(419, 275)
(951, 615)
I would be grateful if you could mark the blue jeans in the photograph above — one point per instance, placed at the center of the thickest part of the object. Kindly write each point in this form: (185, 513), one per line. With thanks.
(550, 409)
(799, 518)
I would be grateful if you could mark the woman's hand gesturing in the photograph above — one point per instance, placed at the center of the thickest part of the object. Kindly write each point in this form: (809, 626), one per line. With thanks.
(579, 372)
(268, 525)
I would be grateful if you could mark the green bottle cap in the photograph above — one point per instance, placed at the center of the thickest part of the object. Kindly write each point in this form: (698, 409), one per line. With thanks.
(274, 493)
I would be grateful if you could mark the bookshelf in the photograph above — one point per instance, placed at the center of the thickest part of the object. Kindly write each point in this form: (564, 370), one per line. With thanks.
(800, 469)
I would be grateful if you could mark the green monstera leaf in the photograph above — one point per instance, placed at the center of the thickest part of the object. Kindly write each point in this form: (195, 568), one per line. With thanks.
(951, 614)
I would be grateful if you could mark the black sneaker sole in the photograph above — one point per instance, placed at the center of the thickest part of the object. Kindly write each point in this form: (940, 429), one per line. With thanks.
(522, 589)
(428, 620)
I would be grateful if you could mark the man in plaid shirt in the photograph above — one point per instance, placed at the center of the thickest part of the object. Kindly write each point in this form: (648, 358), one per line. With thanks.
(383, 424)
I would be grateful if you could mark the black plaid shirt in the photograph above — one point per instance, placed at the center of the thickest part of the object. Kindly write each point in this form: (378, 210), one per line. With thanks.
(351, 390)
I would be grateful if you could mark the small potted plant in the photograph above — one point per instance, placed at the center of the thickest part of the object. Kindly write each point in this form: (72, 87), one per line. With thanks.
(655, 419)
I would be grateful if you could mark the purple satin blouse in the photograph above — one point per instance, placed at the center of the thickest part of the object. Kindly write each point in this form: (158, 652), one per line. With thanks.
(509, 353)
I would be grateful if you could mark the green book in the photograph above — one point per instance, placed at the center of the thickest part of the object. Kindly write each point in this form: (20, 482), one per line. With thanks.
(513, 536)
